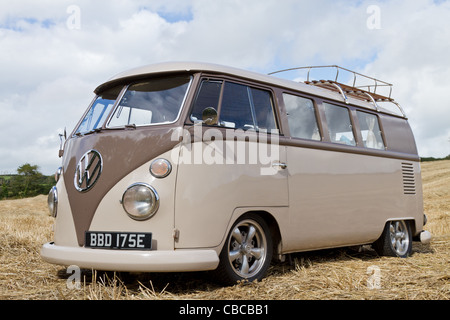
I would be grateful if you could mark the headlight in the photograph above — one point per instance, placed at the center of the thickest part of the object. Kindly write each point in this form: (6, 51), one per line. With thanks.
(160, 168)
(52, 201)
(140, 201)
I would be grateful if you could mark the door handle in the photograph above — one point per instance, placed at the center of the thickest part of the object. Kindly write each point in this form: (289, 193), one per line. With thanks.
(279, 164)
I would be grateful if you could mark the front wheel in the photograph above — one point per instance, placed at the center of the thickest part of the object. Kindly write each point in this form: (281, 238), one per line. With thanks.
(247, 252)
(396, 240)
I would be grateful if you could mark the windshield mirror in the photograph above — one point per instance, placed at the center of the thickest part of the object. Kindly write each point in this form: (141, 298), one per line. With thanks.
(154, 101)
(99, 111)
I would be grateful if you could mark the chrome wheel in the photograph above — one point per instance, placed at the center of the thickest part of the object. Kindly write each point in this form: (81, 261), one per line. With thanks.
(396, 240)
(247, 248)
(399, 237)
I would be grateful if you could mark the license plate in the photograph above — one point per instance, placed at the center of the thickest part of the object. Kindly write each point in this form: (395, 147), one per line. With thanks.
(118, 240)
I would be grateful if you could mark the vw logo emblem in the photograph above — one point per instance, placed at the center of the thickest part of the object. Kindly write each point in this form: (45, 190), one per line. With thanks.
(88, 170)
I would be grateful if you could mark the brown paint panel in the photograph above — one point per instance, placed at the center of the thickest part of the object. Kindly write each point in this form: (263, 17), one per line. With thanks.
(122, 151)
(398, 134)
(311, 144)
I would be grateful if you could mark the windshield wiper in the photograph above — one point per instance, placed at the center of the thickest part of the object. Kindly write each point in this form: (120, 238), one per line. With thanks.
(96, 130)
(130, 126)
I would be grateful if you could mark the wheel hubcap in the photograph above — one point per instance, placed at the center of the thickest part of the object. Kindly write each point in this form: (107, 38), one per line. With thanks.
(247, 248)
(399, 237)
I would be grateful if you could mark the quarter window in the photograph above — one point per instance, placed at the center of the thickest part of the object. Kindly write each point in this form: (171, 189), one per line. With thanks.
(236, 111)
(370, 130)
(263, 108)
(301, 117)
(340, 128)
(208, 97)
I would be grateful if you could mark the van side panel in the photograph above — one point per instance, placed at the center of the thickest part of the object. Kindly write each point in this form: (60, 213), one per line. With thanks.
(208, 194)
(338, 199)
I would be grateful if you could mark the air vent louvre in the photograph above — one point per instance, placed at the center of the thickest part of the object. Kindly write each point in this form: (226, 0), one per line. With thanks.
(409, 181)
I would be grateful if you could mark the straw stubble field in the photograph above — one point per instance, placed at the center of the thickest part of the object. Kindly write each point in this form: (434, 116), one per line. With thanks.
(326, 274)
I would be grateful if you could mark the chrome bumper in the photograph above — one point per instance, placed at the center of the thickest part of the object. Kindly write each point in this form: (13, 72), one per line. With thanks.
(425, 237)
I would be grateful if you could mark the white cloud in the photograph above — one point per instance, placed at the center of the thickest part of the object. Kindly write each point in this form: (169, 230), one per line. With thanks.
(49, 71)
(414, 56)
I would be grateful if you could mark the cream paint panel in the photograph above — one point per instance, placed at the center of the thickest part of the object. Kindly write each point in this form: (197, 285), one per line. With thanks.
(64, 228)
(339, 199)
(110, 215)
(208, 194)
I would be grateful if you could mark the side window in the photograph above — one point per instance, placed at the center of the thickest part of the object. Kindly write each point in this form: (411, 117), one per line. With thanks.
(208, 97)
(370, 130)
(236, 109)
(262, 102)
(301, 117)
(339, 124)
(246, 108)
(242, 107)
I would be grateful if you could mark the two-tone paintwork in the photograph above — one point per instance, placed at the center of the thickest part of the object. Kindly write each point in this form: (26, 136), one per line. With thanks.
(328, 195)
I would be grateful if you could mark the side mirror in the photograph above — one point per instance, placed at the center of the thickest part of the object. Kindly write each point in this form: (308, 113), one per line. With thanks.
(61, 136)
(209, 116)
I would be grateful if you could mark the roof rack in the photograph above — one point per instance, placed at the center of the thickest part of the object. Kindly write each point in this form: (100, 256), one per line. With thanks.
(367, 92)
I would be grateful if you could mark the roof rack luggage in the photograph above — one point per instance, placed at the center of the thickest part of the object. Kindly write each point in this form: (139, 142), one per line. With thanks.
(367, 92)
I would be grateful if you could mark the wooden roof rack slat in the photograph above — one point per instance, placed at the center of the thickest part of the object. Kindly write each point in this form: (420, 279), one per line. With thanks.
(367, 92)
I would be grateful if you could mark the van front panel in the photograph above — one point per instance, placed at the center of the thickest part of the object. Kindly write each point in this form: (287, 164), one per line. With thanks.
(122, 151)
(110, 215)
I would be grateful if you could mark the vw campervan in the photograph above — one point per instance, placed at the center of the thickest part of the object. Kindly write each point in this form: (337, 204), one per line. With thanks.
(191, 166)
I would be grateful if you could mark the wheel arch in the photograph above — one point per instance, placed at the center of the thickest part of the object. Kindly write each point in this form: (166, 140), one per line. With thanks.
(270, 220)
(384, 245)
(410, 220)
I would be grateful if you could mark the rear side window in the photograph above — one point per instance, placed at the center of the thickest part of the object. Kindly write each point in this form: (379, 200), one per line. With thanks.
(301, 117)
(340, 128)
(370, 130)
(239, 106)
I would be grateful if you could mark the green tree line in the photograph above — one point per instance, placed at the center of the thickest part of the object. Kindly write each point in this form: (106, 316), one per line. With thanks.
(28, 182)
(424, 159)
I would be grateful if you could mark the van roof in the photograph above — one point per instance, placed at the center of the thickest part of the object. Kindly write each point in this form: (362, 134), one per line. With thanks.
(189, 66)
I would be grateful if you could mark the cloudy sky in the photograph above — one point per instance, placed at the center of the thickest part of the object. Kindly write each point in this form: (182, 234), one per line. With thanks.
(53, 53)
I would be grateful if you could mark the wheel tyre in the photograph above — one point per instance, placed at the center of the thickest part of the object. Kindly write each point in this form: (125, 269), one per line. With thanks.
(396, 240)
(247, 252)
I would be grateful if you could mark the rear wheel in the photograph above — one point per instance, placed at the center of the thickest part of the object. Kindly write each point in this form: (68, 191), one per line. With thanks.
(396, 240)
(247, 252)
